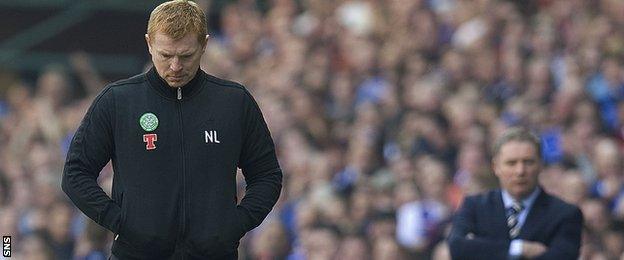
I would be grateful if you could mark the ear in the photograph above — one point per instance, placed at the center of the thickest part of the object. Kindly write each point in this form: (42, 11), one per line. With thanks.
(495, 165)
(147, 40)
(205, 43)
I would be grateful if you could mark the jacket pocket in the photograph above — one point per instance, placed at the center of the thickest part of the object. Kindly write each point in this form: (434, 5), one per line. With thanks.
(123, 234)
(122, 224)
(135, 239)
(220, 240)
(231, 231)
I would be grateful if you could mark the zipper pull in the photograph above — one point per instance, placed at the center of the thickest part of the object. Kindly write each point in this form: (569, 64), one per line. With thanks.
(179, 93)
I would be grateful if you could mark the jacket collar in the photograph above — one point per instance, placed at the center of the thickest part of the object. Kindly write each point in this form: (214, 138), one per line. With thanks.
(537, 216)
(160, 85)
(527, 202)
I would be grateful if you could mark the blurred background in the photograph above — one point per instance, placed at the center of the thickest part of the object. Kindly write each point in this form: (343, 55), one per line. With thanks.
(382, 112)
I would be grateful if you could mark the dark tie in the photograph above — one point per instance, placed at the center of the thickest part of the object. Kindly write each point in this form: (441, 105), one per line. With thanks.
(512, 219)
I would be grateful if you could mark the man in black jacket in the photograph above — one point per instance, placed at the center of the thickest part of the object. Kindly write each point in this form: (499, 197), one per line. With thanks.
(176, 136)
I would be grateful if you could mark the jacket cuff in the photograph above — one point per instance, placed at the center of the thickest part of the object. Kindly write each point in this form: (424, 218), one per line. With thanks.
(111, 218)
(244, 219)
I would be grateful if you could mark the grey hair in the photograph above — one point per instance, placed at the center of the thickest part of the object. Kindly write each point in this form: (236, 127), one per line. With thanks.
(520, 134)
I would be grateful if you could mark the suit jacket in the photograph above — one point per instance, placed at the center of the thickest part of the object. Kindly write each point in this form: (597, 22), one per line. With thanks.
(550, 221)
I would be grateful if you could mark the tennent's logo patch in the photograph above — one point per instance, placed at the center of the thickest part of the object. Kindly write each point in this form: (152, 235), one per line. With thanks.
(149, 122)
(149, 140)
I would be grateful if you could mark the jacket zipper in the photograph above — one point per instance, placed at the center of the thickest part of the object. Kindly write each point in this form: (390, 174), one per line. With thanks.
(183, 219)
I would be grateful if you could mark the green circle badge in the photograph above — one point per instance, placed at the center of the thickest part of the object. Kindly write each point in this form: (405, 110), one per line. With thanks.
(148, 122)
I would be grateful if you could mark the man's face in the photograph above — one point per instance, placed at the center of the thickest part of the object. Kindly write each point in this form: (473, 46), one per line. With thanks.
(517, 167)
(176, 61)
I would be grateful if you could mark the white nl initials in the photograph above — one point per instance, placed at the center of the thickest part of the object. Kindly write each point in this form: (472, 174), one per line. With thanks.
(211, 136)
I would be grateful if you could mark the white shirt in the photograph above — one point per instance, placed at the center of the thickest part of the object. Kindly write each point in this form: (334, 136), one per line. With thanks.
(515, 249)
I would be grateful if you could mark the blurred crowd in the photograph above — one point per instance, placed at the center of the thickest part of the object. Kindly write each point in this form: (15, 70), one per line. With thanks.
(382, 113)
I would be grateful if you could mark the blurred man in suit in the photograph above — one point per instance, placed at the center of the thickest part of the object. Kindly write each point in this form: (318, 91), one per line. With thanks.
(519, 220)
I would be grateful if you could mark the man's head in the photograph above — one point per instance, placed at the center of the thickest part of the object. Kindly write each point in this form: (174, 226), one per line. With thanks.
(516, 161)
(176, 38)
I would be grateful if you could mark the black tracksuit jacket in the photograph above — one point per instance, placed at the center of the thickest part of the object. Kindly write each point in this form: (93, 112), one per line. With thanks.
(179, 197)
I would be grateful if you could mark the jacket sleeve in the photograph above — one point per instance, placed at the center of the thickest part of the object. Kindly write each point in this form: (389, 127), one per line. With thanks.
(465, 246)
(260, 167)
(566, 243)
(91, 148)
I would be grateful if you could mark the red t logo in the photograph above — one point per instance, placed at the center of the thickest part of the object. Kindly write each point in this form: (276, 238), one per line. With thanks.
(150, 139)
